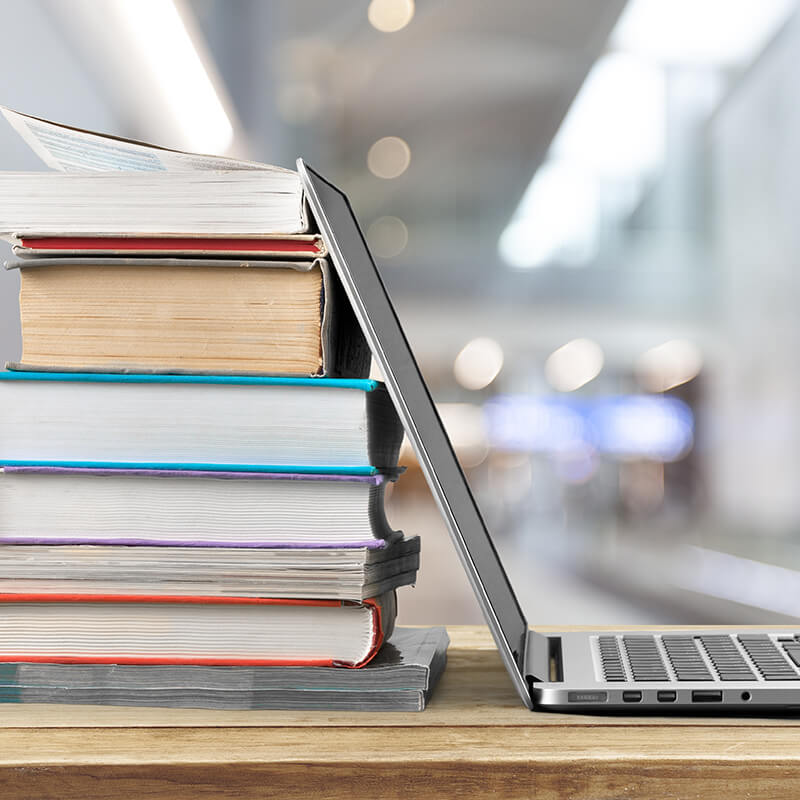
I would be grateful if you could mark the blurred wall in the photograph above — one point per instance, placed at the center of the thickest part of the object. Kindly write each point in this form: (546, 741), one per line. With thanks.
(754, 402)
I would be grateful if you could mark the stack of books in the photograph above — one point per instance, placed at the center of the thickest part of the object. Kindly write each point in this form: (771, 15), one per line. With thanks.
(193, 460)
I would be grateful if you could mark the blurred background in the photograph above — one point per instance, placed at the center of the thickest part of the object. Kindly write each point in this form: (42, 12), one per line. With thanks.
(584, 212)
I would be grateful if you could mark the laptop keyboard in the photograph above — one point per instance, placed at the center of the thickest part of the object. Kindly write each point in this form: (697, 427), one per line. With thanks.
(644, 658)
(716, 657)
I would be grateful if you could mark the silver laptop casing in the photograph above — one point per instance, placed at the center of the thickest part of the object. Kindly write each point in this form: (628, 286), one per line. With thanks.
(557, 671)
(582, 687)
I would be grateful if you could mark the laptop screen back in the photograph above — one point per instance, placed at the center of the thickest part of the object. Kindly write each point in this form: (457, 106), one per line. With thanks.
(365, 289)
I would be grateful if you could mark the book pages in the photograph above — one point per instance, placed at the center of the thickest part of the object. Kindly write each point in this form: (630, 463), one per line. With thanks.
(69, 149)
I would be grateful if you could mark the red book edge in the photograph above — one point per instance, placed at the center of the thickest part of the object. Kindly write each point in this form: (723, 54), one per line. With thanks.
(166, 244)
(372, 603)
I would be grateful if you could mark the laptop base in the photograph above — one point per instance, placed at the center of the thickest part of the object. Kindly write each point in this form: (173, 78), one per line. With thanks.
(713, 670)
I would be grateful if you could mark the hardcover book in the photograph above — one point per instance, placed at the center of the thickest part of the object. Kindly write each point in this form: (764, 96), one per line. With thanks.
(169, 629)
(266, 246)
(48, 505)
(177, 315)
(216, 423)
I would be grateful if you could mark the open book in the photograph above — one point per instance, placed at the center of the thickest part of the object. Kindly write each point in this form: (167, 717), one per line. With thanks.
(103, 185)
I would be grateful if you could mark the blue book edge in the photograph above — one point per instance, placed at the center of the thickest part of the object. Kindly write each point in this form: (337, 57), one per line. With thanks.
(326, 469)
(364, 384)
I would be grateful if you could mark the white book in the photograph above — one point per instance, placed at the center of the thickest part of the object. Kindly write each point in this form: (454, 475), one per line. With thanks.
(199, 508)
(192, 630)
(195, 421)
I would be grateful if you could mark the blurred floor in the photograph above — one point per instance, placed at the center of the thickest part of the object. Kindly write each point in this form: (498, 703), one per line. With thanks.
(548, 595)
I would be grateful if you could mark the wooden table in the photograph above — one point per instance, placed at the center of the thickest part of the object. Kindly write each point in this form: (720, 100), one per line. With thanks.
(475, 740)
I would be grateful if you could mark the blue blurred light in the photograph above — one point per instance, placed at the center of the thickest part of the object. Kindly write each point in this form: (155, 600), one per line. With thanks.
(550, 425)
(659, 428)
(628, 426)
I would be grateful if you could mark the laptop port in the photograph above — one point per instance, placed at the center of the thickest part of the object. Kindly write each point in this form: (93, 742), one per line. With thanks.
(667, 697)
(631, 697)
(706, 696)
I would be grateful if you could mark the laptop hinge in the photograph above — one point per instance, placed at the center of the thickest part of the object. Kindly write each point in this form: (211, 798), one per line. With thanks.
(537, 657)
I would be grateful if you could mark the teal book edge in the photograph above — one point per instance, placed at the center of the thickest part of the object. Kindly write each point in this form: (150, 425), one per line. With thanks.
(364, 384)
(326, 469)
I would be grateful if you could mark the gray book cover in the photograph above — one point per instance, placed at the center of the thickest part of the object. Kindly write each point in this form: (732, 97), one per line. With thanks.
(400, 678)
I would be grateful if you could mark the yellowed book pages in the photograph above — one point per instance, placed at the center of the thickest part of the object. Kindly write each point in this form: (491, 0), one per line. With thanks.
(229, 319)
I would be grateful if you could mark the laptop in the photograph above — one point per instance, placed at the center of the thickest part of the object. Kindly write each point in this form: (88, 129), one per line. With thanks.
(646, 671)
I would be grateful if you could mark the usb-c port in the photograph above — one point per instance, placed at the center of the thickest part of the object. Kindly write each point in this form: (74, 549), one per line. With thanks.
(631, 697)
(706, 697)
(667, 697)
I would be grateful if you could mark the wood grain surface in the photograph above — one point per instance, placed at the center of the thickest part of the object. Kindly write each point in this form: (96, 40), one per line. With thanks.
(475, 740)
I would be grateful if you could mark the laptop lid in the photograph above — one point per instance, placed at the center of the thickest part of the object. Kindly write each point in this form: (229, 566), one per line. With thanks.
(371, 305)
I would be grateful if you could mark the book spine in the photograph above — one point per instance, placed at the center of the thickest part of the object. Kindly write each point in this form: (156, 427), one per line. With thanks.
(384, 613)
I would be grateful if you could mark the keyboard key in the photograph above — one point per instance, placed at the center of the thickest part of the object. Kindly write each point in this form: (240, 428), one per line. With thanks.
(726, 658)
(611, 659)
(645, 658)
(794, 654)
(768, 659)
(685, 658)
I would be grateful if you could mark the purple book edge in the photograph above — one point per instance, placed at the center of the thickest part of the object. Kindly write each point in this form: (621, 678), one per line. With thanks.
(371, 544)
(375, 480)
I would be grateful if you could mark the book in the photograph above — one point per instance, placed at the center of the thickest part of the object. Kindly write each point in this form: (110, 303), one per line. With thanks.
(171, 315)
(401, 677)
(47, 505)
(337, 573)
(139, 189)
(164, 629)
(266, 246)
(199, 422)
(245, 203)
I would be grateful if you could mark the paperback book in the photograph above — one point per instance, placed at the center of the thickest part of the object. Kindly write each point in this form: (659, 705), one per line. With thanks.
(313, 572)
(401, 677)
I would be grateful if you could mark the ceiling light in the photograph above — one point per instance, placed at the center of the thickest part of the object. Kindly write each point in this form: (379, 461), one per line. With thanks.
(387, 237)
(556, 221)
(613, 137)
(389, 16)
(574, 365)
(616, 125)
(163, 46)
(705, 32)
(389, 157)
(669, 365)
(466, 429)
(478, 363)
